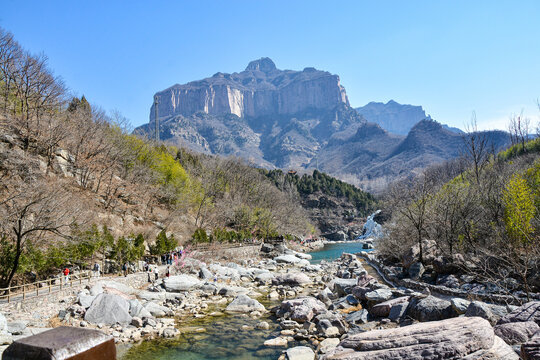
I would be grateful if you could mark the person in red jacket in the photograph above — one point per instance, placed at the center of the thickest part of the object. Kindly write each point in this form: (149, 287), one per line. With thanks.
(66, 275)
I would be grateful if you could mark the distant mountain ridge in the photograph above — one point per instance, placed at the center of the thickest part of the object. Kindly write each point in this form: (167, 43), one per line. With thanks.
(396, 118)
(300, 120)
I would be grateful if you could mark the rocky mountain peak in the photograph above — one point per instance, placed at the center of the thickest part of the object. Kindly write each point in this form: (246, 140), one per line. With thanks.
(264, 64)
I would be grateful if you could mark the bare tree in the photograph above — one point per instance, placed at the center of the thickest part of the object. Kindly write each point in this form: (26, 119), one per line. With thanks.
(519, 128)
(31, 213)
(476, 150)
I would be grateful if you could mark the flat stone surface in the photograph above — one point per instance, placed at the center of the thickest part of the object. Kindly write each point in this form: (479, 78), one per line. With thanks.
(454, 338)
(383, 309)
(61, 343)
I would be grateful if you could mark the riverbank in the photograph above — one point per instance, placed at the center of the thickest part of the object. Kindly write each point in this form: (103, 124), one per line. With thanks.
(283, 307)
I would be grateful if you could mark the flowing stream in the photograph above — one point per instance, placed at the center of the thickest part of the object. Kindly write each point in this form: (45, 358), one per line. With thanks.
(227, 337)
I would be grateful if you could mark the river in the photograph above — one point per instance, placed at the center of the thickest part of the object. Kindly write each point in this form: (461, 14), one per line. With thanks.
(228, 337)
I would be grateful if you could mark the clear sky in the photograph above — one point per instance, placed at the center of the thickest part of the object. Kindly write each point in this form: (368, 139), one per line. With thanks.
(451, 57)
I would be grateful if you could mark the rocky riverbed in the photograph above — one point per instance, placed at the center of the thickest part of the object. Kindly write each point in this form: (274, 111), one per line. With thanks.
(333, 310)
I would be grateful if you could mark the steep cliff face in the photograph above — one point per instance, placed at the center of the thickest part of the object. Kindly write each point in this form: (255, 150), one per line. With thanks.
(260, 90)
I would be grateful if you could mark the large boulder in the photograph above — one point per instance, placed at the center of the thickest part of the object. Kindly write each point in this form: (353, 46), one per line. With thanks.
(416, 270)
(244, 304)
(516, 332)
(292, 279)
(456, 338)
(302, 309)
(108, 309)
(179, 283)
(527, 312)
(430, 308)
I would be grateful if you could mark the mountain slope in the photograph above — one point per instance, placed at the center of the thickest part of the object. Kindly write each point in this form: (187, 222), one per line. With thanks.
(300, 120)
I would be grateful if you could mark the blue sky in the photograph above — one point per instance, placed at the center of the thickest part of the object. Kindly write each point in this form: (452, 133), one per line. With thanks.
(451, 57)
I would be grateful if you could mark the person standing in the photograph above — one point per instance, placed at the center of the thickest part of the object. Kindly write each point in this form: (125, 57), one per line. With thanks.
(156, 272)
(66, 275)
(124, 269)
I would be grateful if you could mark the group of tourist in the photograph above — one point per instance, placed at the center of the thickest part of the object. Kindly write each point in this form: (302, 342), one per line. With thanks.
(172, 257)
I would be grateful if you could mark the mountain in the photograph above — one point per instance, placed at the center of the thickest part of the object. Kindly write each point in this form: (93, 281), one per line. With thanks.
(272, 117)
(300, 120)
(396, 118)
(372, 157)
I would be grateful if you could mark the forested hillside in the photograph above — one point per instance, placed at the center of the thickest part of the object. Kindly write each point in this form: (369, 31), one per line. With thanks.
(75, 186)
(478, 216)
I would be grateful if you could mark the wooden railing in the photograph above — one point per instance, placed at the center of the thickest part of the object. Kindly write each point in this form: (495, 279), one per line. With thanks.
(219, 246)
(44, 287)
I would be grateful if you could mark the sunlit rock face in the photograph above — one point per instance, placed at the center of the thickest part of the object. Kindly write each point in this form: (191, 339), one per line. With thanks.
(260, 90)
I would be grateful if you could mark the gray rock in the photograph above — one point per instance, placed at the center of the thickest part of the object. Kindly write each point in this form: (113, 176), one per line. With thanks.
(16, 327)
(460, 305)
(416, 270)
(96, 290)
(181, 283)
(430, 308)
(516, 332)
(292, 279)
(456, 338)
(342, 287)
(86, 300)
(291, 260)
(398, 311)
(265, 277)
(136, 309)
(302, 309)
(378, 296)
(300, 353)
(137, 322)
(108, 309)
(383, 309)
(357, 317)
(205, 274)
(157, 310)
(263, 325)
(480, 309)
(527, 312)
(244, 304)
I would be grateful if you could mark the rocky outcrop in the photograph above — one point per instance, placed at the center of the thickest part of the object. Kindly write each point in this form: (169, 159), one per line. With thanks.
(260, 90)
(108, 309)
(455, 338)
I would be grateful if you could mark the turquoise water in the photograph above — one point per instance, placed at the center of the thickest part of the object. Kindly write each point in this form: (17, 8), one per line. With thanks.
(333, 251)
(224, 337)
